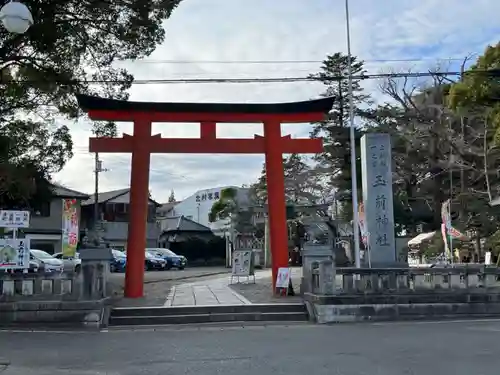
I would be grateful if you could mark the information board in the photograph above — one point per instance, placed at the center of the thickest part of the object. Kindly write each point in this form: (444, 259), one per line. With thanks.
(14, 219)
(283, 278)
(14, 253)
(243, 263)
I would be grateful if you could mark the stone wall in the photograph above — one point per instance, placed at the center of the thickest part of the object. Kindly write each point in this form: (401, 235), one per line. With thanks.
(340, 295)
(24, 287)
(48, 299)
(404, 280)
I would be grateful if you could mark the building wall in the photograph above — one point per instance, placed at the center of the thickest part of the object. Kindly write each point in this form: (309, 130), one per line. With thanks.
(54, 221)
(50, 242)
(117, 232)
(198, 206)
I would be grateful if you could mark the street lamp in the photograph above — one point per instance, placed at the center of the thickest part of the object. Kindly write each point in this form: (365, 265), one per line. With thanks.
(354, 175)
(16, 17)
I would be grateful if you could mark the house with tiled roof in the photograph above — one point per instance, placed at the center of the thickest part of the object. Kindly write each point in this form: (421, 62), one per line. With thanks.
(113, 214)
(45, 230)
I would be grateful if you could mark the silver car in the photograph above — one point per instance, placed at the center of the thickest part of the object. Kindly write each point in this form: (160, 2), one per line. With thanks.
(47, 262)
(70, 264)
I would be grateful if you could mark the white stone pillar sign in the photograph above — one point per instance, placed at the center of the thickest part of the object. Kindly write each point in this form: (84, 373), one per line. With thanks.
(376, 170)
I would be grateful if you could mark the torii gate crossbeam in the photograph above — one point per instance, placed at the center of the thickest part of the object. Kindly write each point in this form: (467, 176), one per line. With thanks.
(142, 144)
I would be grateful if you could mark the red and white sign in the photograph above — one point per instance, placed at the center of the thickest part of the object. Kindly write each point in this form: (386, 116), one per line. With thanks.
(283, 278)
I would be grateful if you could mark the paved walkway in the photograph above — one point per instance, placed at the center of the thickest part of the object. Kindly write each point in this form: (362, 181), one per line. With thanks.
(210, 292)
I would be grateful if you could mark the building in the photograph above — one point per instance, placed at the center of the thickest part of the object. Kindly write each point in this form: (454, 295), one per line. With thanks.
(197, 208)
(114, 210)
(166, 209)
(45, 230)
(180, 229)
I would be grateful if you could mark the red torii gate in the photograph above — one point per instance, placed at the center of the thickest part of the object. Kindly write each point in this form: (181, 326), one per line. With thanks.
(141, 144)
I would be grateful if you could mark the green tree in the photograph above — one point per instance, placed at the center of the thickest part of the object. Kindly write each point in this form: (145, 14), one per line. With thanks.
(171, 198)
(422, 140)
(225, 206)
(72, 48)
(479, 88)
(335, 162)
(229, 208)
(438, 154)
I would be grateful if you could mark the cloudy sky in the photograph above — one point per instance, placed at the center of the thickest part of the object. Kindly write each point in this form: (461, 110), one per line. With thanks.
(205, 39)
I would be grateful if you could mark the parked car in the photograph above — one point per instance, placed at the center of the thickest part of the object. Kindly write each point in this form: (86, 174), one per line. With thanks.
(119, 261)
(34, 267)
(173, 260)
(73, 264)
(47, 263)
(153, 262)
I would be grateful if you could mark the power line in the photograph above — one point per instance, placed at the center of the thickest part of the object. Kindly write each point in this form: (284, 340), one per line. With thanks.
(277, 62)
(312, 78)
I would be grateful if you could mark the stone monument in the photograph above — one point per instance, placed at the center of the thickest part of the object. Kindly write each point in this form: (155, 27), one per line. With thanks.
(376, 170)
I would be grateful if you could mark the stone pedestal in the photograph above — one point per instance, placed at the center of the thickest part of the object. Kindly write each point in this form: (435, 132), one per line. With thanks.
(95, 269)
(313, 254)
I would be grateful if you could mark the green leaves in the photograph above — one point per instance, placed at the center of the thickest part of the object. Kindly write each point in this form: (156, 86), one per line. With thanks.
(225, 206)
(72, 48)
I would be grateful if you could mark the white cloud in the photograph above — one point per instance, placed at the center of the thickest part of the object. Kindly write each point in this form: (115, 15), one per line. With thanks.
(274, 30)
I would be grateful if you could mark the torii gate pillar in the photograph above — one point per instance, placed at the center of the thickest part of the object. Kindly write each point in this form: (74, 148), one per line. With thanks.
(142, 143)
(275, 179)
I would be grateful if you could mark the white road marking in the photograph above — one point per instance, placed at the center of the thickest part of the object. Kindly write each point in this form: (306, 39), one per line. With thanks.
(170, 297)
(453, 321)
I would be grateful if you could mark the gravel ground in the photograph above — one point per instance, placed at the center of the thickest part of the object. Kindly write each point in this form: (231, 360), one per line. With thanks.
(157, 284)
(261, 291)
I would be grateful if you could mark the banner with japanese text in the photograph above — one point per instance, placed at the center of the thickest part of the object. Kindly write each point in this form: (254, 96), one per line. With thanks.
(69, 227)
(362, 223)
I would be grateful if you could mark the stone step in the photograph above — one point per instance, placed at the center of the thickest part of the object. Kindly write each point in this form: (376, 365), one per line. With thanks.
(209, 309)
(155, 320)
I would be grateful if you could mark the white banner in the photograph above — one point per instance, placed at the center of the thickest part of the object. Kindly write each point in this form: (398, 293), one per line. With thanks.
(14, 253)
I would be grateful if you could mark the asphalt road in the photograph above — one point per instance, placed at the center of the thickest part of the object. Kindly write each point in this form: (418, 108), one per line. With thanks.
(458, 348)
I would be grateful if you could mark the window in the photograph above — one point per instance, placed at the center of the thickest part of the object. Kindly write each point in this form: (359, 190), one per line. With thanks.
(121, 208)
(40, 254)
(41, 210)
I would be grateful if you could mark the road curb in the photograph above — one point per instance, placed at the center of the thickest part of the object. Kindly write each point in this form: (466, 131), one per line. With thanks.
(186, 277)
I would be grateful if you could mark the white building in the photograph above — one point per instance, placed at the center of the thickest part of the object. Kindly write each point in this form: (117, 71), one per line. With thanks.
(197, 207)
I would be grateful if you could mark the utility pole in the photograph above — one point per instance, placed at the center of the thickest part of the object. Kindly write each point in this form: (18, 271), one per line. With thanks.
(354, 189)
(98, 169)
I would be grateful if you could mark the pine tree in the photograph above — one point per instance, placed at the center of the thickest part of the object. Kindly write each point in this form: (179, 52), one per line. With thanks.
(335, 161)
(171, 198)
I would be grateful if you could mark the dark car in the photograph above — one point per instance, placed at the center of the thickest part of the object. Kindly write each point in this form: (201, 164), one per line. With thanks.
(119, 261)
(152, 262)
(173, 260)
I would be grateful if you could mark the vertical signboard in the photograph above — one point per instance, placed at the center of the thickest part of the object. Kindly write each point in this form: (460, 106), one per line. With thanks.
(377, 198)
(69, 227)
(14, 253)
